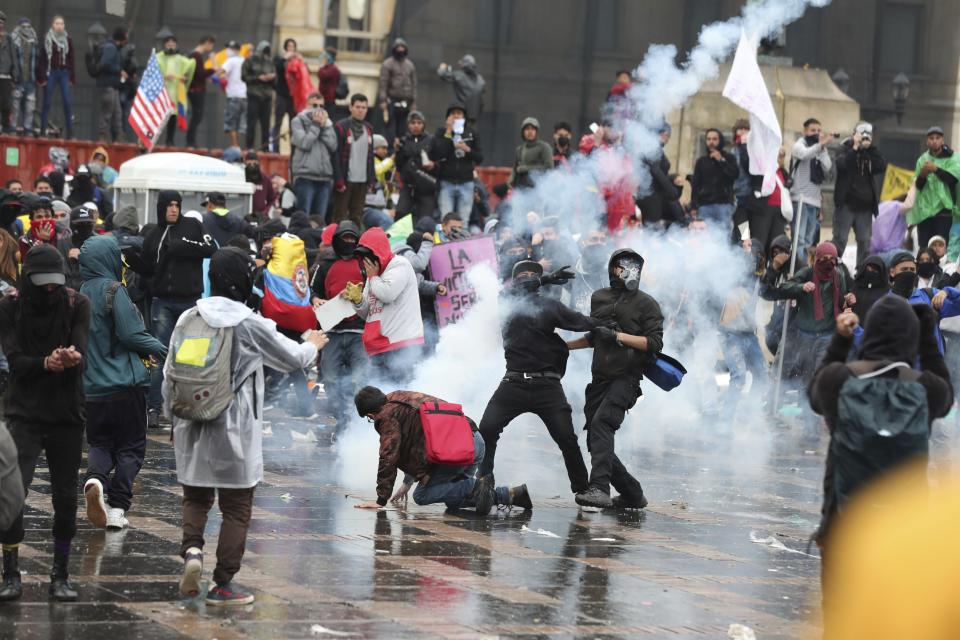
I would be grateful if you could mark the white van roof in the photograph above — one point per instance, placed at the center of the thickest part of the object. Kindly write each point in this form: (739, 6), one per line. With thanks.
(182, 172)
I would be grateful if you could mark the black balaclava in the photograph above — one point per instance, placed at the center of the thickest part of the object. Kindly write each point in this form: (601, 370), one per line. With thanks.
(253, 173)
(341, 247)
(904, 283)
(232, 272)
(521, 281)
(511, 252)
(870, 284)
(891, 332)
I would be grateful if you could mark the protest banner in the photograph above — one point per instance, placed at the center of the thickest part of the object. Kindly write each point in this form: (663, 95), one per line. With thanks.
(449, 264)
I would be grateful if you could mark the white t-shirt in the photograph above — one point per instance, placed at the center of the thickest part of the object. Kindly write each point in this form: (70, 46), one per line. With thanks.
(236, 87)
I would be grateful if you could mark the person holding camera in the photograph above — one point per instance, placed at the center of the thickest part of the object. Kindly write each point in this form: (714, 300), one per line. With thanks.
(314, 143)
(855, 194)
(456, 151)
(809, 165)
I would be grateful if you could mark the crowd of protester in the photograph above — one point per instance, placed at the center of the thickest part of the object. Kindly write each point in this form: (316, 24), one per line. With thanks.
(102, 317)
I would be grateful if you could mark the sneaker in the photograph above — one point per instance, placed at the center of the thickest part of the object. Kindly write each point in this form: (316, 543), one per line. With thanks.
(192, 570)
(116, 519)
(226, 595)
(483, 495)
(619, 502)
(96, 507)
(153, 419)
(593, 497)
(520, 497)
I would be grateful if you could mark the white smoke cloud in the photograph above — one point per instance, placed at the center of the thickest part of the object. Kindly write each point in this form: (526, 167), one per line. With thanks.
(688, 273)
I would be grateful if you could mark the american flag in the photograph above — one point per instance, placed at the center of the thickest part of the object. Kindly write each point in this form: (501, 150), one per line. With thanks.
(152, 106)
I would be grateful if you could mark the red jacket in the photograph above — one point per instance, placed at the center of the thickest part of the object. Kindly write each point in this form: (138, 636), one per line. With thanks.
(617, 183)
(298, 80)
(329, 78)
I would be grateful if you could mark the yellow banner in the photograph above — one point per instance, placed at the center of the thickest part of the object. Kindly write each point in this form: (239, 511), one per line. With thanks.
(896, 182)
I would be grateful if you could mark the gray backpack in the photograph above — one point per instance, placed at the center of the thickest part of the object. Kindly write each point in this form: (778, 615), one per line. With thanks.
(201, 376)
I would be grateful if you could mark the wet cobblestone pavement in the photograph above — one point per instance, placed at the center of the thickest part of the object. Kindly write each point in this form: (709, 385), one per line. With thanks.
(708, 552)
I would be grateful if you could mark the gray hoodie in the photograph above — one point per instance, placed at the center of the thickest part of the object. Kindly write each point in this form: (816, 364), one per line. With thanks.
(313, 147)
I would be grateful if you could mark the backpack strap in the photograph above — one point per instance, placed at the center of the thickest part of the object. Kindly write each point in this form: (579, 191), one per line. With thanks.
(865, 369)
(111, 293)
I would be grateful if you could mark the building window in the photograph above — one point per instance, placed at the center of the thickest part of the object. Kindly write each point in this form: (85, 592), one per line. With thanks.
(197, 9)
(699, 13)
(605, 25)
(899, 37)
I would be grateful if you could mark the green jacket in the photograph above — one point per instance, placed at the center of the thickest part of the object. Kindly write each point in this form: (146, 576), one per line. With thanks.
(803, 319)
(118, 339)
(254, 67)
(535, 155)
(935, 196)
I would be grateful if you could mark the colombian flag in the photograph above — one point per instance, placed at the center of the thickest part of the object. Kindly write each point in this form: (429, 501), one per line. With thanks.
(182, 105)
(286, 298)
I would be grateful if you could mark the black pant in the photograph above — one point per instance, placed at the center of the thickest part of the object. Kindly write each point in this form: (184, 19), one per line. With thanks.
(6, 103)
(418, 205)
(938, 225)
(544, 398)
(197, 100)
(62, 446)
(258, 110)
(283, 106)
(171, 130)
(117, 437)
(607, 402)
(766, 223)
(397, 127)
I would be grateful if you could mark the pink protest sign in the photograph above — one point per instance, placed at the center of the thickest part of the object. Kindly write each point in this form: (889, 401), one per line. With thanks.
(449, 264)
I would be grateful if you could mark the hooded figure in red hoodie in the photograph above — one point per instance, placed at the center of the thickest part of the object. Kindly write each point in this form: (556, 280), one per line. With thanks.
(390, 307)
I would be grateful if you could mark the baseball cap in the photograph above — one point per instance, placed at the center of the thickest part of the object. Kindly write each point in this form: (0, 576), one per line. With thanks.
(82, 214)
(44, 265)
(214, 197)
(934, 129)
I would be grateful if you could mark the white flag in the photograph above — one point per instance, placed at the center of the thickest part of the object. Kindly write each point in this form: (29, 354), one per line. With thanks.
(745, 88)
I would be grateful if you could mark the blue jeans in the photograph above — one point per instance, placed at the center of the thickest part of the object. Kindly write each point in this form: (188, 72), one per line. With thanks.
(741, 353)
(452, 485)
(720, 215)
(57, 78)
(313, 196)
(163, 318)
(373, 217)
(342, 365)
(807, 230)
(455, 196)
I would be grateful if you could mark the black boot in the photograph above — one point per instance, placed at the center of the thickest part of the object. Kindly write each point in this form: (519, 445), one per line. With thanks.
(11, 588)
(60, 588)
(520, 497)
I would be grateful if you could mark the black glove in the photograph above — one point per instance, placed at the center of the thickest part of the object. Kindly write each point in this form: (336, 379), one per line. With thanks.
(563, 275)
(928, 319)
(603, 334)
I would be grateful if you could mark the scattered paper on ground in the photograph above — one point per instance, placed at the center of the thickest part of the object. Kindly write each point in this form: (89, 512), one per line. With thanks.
(773, 542)
(604, 539)
(303, 437)
(540, 532)
(320, 630)
(286, 497)
(741, 632)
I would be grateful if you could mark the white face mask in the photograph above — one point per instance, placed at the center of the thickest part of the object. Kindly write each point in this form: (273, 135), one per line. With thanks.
(630, 275)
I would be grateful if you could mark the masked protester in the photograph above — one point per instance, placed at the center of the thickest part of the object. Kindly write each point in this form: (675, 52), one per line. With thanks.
(629, 333)
(223, 458)
(82, 223)
(115, 383)
(178, 71)
(591, 269)
(821, 291)
(512, 251)
(263, 194)
(344, 359)
(929, 272)
(896, 339)
(397, 89)
(870, 284)
(173, 255)
(905, 282)
(43, 226)
(536, 359)
(84, 189)
(44, 332)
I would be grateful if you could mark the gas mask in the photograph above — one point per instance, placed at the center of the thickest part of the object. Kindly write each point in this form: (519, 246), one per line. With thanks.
(630, 272)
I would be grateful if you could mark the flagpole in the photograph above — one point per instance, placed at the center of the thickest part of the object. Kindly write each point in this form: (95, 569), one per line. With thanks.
(795, 227)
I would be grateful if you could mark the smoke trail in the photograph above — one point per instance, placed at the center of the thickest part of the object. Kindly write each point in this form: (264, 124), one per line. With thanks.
(688, 273)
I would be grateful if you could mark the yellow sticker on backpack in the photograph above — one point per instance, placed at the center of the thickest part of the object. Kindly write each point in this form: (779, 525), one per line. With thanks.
(193, 352)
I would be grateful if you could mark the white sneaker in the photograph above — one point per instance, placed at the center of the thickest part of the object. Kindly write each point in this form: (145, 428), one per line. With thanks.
(96, 507)
(116, 519)
(192, 570)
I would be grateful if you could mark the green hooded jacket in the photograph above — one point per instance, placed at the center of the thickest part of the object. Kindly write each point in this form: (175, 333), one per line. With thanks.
(117, 340)
(935, 195)
(532, 155)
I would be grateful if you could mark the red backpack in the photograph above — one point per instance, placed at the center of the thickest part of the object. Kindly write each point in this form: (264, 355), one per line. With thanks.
(447, 434)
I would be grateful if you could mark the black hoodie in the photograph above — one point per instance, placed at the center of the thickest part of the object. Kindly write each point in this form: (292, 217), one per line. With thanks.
(713, 180)
(450, 166)
(636, 313)
(173, 254)
(869, 287)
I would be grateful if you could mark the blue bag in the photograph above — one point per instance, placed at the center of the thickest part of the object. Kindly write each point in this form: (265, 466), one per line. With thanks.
(665, 372)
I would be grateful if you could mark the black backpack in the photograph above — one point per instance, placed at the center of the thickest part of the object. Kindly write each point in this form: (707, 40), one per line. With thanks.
(92, 60)
(882, 422)
(343, 89)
